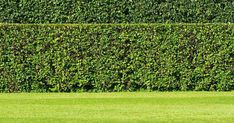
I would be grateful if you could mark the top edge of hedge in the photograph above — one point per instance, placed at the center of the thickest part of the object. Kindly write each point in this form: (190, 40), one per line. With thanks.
(115, 24)
(116, 11)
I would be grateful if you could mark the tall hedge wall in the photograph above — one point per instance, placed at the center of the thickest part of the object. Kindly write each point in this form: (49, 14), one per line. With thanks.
(116, 57)
(116, 11)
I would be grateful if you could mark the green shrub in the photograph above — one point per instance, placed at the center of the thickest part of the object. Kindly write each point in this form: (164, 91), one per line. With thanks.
(116, 57)
(116, 11)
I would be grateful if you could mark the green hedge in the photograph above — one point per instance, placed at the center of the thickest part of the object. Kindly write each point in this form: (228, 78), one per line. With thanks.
(116, 57)
(116, 11)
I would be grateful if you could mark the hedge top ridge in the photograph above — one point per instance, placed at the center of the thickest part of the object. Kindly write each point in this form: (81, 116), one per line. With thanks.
(116, 11)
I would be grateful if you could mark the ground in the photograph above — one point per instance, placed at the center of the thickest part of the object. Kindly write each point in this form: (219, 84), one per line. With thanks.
(194, 107)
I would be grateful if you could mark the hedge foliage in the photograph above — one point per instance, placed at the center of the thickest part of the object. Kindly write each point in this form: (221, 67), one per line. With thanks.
(130, 57)
(116, 11)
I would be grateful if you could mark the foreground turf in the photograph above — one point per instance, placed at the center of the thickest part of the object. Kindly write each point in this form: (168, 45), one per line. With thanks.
(118, 107)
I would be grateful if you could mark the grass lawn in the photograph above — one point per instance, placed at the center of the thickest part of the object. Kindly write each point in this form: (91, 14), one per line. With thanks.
(147, 107)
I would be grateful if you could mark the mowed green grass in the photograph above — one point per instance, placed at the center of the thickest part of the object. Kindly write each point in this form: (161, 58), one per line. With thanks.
(194, 107)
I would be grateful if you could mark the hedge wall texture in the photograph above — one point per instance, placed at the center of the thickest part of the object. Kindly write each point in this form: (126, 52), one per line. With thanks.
(118, 57)
(116, 11)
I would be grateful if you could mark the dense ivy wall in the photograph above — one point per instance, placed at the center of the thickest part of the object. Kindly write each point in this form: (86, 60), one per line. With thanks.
(116, 57)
